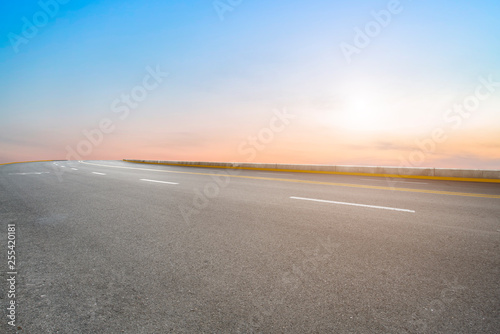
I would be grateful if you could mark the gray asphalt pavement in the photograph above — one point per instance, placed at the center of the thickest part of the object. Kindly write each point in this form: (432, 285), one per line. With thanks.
(116, 247)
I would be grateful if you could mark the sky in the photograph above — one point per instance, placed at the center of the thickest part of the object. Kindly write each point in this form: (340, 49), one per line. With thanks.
(377, 83)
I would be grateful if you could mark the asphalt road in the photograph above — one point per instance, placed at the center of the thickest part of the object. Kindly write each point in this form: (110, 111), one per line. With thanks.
(116, 247)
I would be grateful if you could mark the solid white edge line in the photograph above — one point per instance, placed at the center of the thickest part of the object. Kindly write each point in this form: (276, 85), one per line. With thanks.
(98, 173)
(352, 204)
(147, 180)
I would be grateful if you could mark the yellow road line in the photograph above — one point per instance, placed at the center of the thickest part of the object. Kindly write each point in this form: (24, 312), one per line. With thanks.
(441, 178)
(23, 162)
(314, 182)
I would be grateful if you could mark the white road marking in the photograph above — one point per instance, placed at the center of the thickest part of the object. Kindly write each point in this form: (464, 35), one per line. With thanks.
(98, 173)
(393, 181)
(158, 181)
(352, 204)
(31, 173)
(74, 169)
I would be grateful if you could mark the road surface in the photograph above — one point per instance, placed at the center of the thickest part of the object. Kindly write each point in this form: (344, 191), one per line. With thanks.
(117, 247)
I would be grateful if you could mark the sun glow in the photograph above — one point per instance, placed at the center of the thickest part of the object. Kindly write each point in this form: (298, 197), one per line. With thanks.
(363, 108)
(361, 114)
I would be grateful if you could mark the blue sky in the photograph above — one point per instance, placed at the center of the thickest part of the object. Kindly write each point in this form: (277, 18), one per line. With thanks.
(226, 76)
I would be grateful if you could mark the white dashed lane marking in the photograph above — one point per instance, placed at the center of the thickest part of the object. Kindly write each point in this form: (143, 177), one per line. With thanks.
(352, 204)
(147, 180)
